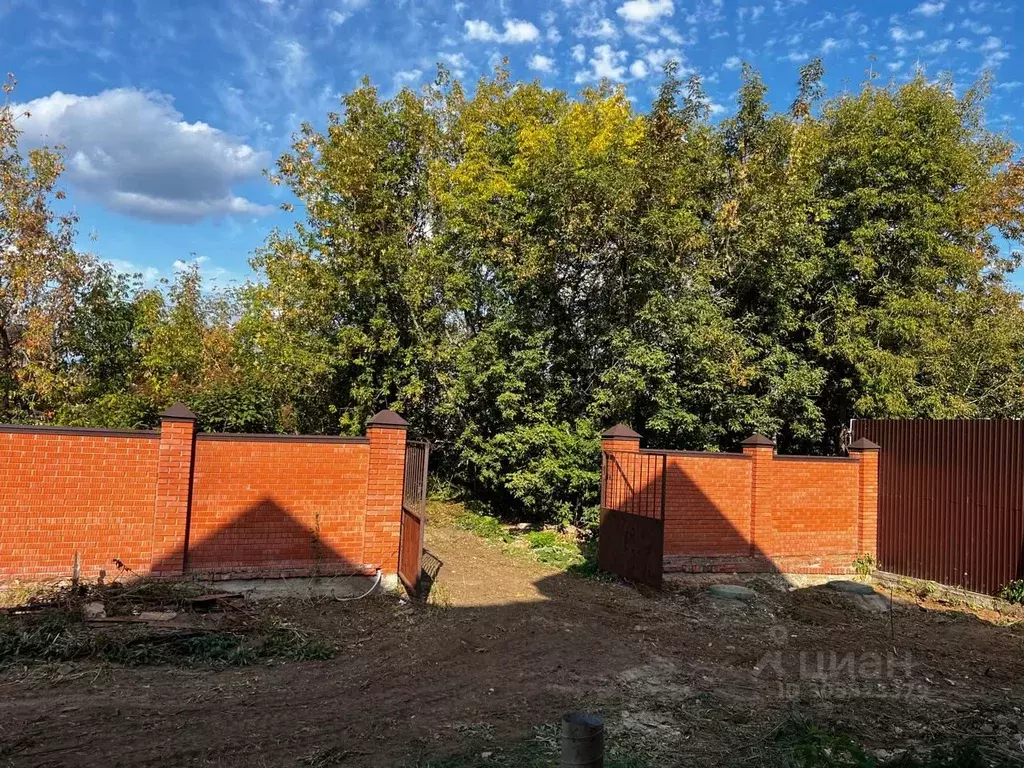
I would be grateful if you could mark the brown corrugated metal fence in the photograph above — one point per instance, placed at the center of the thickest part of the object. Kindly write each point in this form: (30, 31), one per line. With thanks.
(951, 499)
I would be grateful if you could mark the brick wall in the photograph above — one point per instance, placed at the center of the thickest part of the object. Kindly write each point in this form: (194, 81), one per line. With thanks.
(757, 511)
(84, 491)
(173, 501)
(707, 504)
(285, 506)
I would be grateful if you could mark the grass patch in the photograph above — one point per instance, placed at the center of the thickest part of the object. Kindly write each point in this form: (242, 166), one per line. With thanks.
(543, 750)
(802, 744)
(796, 743)
(547, 546)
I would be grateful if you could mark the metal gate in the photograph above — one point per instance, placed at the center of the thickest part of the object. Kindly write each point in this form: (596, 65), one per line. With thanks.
(414, 507)
(632, 536)
(950, 499)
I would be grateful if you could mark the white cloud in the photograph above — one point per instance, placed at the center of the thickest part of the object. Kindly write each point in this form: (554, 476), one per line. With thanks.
(752, 12)
(597, 26)
(148, 274)
(131, 152)
(976, 28)
(991, 44)
(672, 36)
(831, 44)
(645, 11)
(994, 59)
(515, 31)
(638, 69)
(337, 18)
(579, 53)
(408, 76)
(733, 62)
(540, 63)
(929, 8)
(939, 46)
(294, 65)
(180, 265)
(658, 57)
(899, 34)
(797, 56)
(456, 62)
(605, 64)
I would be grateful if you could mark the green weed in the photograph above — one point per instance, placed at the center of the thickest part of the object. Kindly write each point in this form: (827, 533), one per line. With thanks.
(550, 547)
(1013, 592)
(802, 744)
(864, 565)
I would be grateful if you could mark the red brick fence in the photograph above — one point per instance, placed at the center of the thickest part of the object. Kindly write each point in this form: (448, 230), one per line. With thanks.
(173, 501)
(748, 512)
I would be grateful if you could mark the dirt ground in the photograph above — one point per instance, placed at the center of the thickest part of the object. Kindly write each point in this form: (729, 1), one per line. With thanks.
(507, 645)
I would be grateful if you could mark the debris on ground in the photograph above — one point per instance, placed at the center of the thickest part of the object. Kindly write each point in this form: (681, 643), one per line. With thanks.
(502, 647)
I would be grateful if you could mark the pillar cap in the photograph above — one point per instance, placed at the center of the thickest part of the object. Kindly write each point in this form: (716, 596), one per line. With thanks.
(620, 432)
(387, 420)
(177, 412)
(757, 440)
(863, 444)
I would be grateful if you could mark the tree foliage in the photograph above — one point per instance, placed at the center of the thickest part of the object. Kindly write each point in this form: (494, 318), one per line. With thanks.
(515, 269)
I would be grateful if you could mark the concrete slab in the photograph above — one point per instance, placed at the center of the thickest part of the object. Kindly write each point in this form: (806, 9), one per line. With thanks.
(273, 589)
(732, 592)
(851, 587)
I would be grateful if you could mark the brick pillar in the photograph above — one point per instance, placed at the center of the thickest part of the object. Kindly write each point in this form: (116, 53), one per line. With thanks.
(762, 451)
(387, 434)
(866, 453)
(618, 482)
(173, 491)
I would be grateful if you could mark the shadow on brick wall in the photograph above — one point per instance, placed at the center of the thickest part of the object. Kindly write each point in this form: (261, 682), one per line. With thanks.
(801, 516)
(265, 540)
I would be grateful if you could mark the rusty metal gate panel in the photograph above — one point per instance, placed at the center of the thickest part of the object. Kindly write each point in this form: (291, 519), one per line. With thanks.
(950, 499)
(414, 508)
(632, 535)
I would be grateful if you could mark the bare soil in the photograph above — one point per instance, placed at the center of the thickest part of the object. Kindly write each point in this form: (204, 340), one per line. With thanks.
(505, 645)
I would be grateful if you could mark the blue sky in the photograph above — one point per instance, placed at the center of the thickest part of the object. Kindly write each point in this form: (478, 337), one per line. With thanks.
(169, 111)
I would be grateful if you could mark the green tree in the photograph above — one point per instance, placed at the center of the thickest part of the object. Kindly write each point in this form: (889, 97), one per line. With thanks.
(41, 275)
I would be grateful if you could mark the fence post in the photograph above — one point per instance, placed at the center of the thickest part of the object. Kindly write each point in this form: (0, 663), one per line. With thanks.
(173, 491)
(385, 485)
(762, 451)
(866, 452)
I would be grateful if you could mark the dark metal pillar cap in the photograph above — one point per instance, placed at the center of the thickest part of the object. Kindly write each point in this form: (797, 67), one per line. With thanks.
(178, 412)
(620, 432)
(863, 444)
(387, 420)
(758, 440)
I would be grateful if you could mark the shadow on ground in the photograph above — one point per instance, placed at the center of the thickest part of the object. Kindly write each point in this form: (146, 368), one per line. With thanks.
(505, 646)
